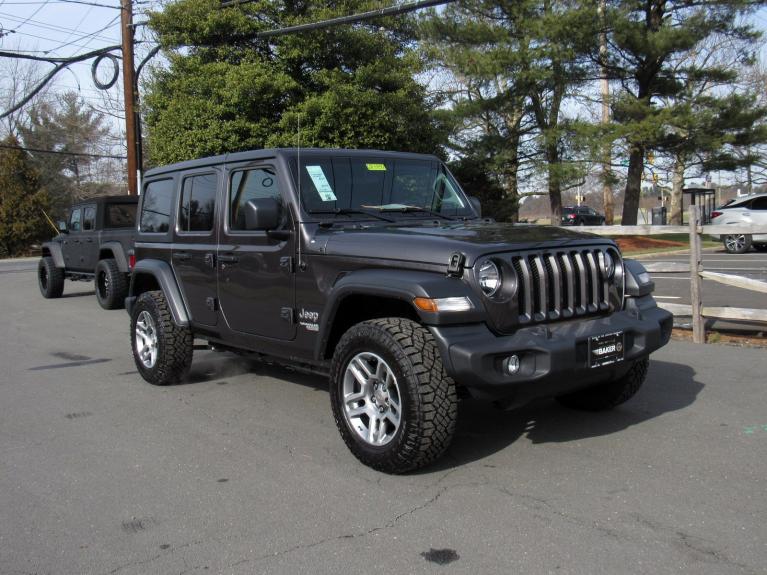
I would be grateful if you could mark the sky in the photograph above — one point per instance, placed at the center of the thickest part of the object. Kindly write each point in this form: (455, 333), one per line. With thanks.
(69, 27)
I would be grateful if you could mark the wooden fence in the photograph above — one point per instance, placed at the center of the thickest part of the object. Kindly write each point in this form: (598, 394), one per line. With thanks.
(697, 310)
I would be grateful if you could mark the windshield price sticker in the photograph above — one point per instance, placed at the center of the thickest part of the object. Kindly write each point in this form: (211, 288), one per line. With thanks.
(321, 183)
(376, 167)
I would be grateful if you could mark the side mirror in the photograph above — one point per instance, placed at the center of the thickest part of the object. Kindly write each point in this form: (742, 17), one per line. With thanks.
(262, 214)
(476, 204)
(63, 227)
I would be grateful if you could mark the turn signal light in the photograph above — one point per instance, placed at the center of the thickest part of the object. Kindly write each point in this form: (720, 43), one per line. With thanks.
(442, 304)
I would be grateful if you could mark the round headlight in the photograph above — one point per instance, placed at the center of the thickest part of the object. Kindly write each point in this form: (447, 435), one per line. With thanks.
(489, 278)
(609, 265)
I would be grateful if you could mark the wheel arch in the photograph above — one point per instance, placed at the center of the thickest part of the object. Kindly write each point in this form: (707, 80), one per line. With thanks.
(372, 294)
(115, 251)
(53, 250)
(150, 275)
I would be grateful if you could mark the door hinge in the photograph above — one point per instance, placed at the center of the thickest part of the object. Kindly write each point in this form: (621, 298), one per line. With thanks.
(211, 303)
(455, 265)
(286, 314)
(286, 263)
(210, 260)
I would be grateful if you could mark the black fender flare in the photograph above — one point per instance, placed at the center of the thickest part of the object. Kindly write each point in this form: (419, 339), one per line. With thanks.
(118, 253)
(55, 250)
(404, 285)
(163, 274)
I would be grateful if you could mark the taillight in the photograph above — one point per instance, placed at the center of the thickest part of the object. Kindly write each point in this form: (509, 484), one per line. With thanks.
(716, 214)
(131, 261)
(571, 216)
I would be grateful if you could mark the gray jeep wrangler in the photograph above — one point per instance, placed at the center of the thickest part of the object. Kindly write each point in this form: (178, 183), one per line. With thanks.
(376, 269)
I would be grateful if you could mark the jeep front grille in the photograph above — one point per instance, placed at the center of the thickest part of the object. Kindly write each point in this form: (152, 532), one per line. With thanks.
(564, 283)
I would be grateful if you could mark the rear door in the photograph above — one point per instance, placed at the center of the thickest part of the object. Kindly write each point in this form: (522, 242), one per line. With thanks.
(758, 214)
(194, 245)
(255, 271)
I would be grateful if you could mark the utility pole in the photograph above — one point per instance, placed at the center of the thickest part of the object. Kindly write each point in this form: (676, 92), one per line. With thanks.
(607, 191)
(129, 90)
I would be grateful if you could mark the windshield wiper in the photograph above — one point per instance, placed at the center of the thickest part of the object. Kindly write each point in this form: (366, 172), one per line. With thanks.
(406, 209)
(349, 211)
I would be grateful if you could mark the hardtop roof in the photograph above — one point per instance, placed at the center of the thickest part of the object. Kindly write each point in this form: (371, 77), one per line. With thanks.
(287, 153)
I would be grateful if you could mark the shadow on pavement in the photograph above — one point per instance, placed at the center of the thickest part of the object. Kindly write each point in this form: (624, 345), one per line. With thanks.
(483, 430)
(79, 294)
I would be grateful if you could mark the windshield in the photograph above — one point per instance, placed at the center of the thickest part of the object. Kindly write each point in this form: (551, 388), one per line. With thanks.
(330, 184)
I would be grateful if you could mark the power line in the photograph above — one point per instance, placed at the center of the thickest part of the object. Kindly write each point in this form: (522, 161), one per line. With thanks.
(63, 2)
(52, 27)
(37, 150)
(33, 14)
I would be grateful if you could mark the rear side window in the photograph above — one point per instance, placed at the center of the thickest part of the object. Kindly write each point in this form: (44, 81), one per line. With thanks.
(198, 198)
(155, 209)
(759, 204)
(120, 216)
(250, 185)
(89, 218)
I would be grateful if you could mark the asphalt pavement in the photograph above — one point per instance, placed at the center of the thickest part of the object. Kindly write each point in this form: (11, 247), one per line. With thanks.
(241, 470)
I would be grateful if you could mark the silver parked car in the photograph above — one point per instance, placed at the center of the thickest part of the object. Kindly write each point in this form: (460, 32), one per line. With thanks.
(748, 210)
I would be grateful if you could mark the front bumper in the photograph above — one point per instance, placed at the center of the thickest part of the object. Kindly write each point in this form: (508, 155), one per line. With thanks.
(554, 359)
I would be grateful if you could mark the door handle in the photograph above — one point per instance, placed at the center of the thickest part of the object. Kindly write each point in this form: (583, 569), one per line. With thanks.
(181, 256)
(228, 259)
(89, 240)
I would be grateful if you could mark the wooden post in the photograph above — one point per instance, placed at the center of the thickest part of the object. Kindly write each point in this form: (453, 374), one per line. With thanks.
(698, 328)
(129, 92)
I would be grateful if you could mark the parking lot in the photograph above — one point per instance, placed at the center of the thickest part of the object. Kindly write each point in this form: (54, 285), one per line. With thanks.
(675, 287)
(241, 470)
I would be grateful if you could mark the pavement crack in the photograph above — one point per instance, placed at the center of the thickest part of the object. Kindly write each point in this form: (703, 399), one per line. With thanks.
(388, 525)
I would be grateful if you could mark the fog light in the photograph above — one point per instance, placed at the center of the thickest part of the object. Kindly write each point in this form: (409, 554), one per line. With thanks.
(511, 364)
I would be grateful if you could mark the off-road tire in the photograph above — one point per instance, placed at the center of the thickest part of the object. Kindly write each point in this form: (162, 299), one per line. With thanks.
(737, 248)
(50, 278)
(611, 394)
(427, 393)
(174, 342)
(111, 284)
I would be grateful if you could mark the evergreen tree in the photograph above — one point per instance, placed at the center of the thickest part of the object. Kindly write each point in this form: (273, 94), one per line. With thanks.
(225, 90)
(512, 66)
(67, 126)
(21, 200)
(647, 39)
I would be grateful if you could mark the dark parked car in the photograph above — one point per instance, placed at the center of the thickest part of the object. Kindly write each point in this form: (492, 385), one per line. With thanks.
(94, 245)
(581, 216)
(376, 269)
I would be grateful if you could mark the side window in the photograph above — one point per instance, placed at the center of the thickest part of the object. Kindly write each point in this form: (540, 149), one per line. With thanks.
(248, 185)
(74, 220)
(155, 208)
(89, 218)
(759, 204)
(198, 198)
(120, 216)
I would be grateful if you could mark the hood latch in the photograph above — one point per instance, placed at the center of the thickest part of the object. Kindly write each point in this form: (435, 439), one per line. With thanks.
(455, 265)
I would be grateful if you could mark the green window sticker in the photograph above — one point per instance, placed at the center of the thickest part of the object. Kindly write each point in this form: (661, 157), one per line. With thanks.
(321, 183)
(376, 167)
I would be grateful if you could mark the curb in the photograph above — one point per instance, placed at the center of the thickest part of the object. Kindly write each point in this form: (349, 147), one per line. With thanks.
(669, 253)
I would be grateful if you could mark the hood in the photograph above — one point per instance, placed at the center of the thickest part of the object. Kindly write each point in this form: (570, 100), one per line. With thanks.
(428, 243)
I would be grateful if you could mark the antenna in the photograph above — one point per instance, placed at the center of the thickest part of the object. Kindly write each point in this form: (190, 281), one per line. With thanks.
(298, 156)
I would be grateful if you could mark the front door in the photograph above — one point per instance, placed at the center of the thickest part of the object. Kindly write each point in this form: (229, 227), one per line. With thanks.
(70, 247)
(89, 242)
(255, 271)
(194, 245)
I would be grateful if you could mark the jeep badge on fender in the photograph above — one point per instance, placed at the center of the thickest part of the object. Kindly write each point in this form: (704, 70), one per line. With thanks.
(375, 268)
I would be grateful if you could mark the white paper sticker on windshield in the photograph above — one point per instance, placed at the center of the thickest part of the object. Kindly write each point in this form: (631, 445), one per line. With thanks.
(321, 183)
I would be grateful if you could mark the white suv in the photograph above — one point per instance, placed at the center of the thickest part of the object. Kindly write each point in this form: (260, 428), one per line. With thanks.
(749, 210)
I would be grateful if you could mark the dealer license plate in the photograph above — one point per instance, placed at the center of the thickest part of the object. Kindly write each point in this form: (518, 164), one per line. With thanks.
(606, 349)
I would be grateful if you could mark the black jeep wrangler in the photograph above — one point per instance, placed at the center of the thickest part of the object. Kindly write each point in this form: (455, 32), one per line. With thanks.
(375, 268)
(96, 244)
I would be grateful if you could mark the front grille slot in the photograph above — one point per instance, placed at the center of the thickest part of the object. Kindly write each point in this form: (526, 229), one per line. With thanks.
(560, 284)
